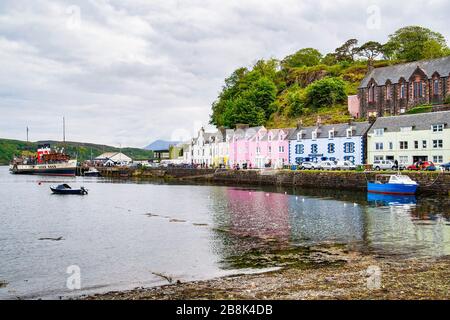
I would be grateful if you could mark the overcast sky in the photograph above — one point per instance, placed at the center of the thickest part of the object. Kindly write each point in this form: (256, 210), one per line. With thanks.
(129, 72)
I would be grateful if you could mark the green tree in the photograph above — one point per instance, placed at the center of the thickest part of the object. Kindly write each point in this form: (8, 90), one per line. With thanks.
(295, 101)
(326, 92)
(307, 57)
(347, 51)
(245, 111)
(370, 50)
(415, 43)
(264, 94)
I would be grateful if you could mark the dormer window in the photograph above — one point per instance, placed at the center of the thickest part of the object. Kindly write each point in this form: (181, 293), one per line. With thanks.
(405, 129)
(270, 137)
(314, 135)
(331, 134)
(349, 132)
(379, 132)
(436, 87)
(300, 135)
(437, 127)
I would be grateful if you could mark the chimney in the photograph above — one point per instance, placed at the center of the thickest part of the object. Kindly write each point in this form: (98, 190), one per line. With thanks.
(319, 122)
(242, 126)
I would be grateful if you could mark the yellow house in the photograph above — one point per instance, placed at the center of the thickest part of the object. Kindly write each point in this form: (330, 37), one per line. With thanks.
(410, 138)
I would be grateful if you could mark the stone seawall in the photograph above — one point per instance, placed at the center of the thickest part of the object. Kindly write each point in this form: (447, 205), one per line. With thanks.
(430, 182)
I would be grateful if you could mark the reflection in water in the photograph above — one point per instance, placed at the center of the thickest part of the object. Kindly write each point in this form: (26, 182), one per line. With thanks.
(387, 199)
(380, 224)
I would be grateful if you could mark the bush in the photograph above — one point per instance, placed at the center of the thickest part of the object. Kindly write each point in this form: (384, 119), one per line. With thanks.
(326, 93)
(447, 99)
(424, 108)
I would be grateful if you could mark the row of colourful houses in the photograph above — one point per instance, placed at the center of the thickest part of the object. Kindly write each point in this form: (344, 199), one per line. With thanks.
(405, 138)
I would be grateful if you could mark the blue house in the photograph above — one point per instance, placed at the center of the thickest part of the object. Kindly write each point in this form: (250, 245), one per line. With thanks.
(343, 141)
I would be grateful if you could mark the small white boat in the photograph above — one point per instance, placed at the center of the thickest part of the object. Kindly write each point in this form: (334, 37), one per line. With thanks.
(92, 172)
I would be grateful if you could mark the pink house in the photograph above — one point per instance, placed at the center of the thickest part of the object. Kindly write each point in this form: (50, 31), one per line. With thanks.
(269, 148)
(240, 145)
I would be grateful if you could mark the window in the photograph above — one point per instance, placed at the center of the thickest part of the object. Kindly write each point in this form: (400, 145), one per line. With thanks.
(372, 93)
(349, 132)
(438, 159)
(416, 144)
(436, 87)
(300, 135)
(418, 89)
(281, 149)
(438, 144)
(270, 149)
(391, 146)
(424, 144)
(437, 127)
(299, 149)
(379, 146)
(314, 149)
(388, 92)
(270, 137)
(405, 129)
(402, 91)
(331, 134)
(379, 132)
(314, 135)
(378, 158)
(350, 158)
(299, 160)
(331, 148)
(258, 150)
(403, 159)
(403, 145)
(349, 147)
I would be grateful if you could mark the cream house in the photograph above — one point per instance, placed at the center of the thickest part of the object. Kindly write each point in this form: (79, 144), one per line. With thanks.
(411, 138)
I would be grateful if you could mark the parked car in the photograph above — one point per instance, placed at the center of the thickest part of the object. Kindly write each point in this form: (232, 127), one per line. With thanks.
(446, 166)
(328, 165)
(384, 165)
(309, 166)
(345, 165)
(422, 165)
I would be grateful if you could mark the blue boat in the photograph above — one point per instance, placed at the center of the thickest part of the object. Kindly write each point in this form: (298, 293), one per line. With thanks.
(392, 184)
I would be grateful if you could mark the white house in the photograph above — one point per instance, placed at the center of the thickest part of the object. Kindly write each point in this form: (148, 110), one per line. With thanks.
(411, 138)
(113, 158)
(344, 141)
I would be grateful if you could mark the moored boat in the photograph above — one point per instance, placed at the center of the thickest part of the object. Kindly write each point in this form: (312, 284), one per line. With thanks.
(92, 172)
(66, 189)
(392, 184)
(46, 162)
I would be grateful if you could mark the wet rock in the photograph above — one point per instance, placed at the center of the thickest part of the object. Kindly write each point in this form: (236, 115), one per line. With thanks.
(177, 220)
(3, 284)
(52, 239)
(200, 224)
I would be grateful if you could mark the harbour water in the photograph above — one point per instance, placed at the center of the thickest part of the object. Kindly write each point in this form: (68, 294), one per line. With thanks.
(127, 234)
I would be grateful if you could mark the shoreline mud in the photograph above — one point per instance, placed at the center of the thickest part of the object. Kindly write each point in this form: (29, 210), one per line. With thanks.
(342, 275)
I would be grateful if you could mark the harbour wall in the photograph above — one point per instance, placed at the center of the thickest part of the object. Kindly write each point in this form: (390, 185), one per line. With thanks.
(429, 182)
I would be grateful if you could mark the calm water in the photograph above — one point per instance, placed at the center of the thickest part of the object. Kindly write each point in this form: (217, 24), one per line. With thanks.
(122, 233)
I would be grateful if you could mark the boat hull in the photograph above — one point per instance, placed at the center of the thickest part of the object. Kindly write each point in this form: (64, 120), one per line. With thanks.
(391, 188)
(68, 191)
(55, 169)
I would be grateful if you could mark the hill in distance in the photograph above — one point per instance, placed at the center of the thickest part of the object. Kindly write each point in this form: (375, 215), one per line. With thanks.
(160, 145)
(81, 150)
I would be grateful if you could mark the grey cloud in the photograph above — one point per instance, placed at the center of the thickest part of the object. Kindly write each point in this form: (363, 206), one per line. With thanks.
(139, 70)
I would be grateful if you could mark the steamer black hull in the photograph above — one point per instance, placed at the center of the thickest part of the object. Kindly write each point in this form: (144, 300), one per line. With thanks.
(49, 172)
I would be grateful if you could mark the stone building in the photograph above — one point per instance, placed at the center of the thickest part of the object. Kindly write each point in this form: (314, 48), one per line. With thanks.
(393, 90)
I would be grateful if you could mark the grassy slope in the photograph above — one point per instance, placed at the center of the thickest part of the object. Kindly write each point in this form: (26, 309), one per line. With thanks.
(9, 148)
(352, 74)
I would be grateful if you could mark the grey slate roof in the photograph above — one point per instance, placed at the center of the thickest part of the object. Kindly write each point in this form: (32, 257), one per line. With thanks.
(340, 129)
(405, 70)
(422, 121)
